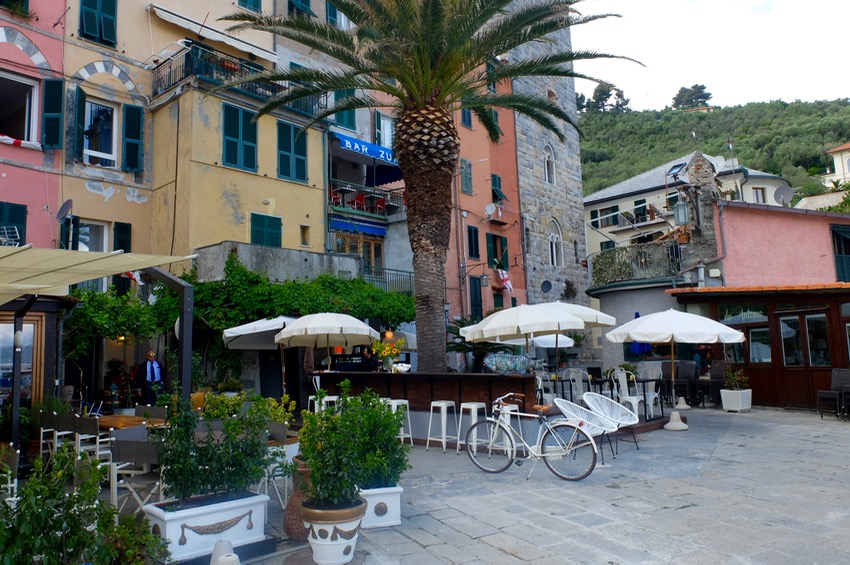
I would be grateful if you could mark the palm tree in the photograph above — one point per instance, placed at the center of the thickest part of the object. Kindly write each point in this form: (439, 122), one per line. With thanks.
(429, 58)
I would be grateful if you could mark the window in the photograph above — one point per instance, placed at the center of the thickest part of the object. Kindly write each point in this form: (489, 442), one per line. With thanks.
(291, 152)
(384, 130)
(497, 251)
(496, 184)
(818, 341)
(122, 238)
(640, 211)
(594, 218)
(252, 5)
(13, 224)
(759, 340)
(465, 176)
(300, 8)
(24, 4)
(476, 306)
(672, 199)
(548, 165)
(96, 133)
(240, 138)
(841, 248)
(336, 18)
(466, 118)
(758, 195)
(472, 245)
(266, 230)
(92, 236)
(498, 300)
(607, 244)
(19, 98)
(346, 118)
(371, 250)
(555, 247)
(97, 21)
(609, 216)
(491, 86)
(305, 236)
(791, 343)
(495, 115)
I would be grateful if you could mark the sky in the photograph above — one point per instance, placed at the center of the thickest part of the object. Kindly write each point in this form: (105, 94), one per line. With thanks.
(741, 50)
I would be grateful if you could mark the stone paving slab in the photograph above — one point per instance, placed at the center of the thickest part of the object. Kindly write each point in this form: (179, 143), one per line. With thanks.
(768, 486)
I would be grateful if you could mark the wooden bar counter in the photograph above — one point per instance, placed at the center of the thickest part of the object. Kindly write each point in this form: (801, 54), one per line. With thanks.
(421, 388)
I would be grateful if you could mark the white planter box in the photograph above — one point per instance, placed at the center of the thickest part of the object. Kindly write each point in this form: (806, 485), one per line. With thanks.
(383, 507)
(736, 400)
(193, 532)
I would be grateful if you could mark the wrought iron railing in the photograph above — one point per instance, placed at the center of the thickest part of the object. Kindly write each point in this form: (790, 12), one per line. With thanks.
(217, 67)
(391, 280)
(349, 197)
(638, 262)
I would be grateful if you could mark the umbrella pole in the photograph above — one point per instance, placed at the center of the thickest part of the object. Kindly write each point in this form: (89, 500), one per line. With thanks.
(328, 346)
(675, 424)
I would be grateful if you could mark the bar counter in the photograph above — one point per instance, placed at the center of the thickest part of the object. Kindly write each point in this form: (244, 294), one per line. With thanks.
(421, 388)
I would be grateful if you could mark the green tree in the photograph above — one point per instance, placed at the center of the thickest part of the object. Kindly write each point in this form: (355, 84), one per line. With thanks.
(428, 58)
(693, 97)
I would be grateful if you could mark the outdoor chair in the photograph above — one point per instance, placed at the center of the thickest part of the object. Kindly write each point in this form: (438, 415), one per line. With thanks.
(131, 470)
(160, 412)
(835, 394)
(9, 474)
(89, 438)
(64, 429)
(614, 411)
(652, 395)
(595, 424)
(578, 380)
(625, 394)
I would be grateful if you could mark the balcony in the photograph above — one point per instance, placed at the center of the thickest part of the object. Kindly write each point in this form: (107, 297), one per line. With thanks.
(357, 199)
(390, 280)
(217, 67)
(641, 262)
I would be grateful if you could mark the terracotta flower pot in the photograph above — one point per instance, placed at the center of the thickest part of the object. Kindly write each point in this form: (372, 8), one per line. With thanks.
(293, 523)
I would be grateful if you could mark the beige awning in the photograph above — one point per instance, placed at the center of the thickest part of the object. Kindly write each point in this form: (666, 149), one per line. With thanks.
(204, 30)
(31, 270)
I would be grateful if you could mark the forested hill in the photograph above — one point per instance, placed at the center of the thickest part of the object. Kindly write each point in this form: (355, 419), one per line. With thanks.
(786, 139)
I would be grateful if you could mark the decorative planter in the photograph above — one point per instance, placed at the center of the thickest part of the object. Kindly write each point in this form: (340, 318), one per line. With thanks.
(192, 532)
(383, 507)
(293, 524)
(332, 532)
(736, 400)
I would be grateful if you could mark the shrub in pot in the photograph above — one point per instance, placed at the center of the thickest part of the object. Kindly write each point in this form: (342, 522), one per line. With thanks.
(736, 394)
(208, 465)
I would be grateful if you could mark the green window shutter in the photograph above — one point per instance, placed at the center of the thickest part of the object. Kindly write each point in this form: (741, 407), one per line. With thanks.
(285, 158)
(53, 113)
(69, 233)
(466, 118)
(15, 215)
(505, 259)
(378, 133)
(80, 124)
(615, 215)
(122, 239)
(491, 86)
(498, 301)
(300, 146)
(266, 230)
(476, 305)
(491, 249)
(465, 176)
(347, 118)
(496, 186)
(89, 16)
(472, 242)
(249, 141)
(133, 136)
(108, 19)
(253, 5)
(594, 218)
(231, 129)
(330, 9)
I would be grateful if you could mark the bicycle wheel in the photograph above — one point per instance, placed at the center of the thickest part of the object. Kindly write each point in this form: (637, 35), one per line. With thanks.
(568, 451)
(490, 445)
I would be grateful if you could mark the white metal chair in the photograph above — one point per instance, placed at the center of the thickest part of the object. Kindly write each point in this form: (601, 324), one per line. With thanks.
(311, 400)
(89, 438)
(614, 411)
(595, 424)
(627, 395)
(652, 395)
(9, 457)
(579, 385)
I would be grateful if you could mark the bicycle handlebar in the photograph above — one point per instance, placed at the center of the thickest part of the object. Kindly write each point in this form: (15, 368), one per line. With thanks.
(502, 400)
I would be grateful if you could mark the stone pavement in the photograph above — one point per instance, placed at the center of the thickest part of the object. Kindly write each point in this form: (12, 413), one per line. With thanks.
(768, 486)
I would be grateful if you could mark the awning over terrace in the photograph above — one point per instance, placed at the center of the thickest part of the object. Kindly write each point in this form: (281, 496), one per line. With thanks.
(381, 165)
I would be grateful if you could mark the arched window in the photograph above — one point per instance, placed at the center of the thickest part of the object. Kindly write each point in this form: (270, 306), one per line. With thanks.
(556, 256)
(548, 165)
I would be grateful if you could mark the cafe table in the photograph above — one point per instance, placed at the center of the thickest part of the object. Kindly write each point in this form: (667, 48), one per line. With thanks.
(121, 421)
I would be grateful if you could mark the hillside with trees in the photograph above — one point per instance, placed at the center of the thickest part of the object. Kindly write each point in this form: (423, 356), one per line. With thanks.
(785, 139)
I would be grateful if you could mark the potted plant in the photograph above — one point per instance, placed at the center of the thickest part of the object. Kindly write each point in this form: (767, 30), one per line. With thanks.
(230, 386)
(333, 445)
(736, 394)
(382, 459)
(207, 466)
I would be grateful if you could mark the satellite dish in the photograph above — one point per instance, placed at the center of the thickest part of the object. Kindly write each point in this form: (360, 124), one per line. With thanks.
(546, 286)
(490, 209)
(783, 195)
(64, 210)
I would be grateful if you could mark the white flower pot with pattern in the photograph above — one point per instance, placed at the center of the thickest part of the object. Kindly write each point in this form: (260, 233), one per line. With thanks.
(383, 507)
(332, 532)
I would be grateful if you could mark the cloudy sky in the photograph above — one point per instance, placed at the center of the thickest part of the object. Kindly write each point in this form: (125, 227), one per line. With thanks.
(741, 50)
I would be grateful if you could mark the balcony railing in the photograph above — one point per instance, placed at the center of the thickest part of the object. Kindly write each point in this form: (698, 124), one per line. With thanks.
(349, 197)
(638, 262)
(218, 68)
(390, 280)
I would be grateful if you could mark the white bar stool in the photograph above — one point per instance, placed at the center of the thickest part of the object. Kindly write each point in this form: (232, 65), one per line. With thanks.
(472, 409)
(400, 403)
(509, 410)
(329, 400)
(443, 406)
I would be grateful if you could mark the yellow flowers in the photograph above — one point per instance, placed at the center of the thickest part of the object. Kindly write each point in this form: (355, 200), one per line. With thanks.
(388, 350)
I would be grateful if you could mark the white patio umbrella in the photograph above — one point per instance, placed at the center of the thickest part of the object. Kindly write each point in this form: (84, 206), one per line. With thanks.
(550, 341)
(325, 330)
(258, 334)
(672, 326)
(521, 322)
(590, 316)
